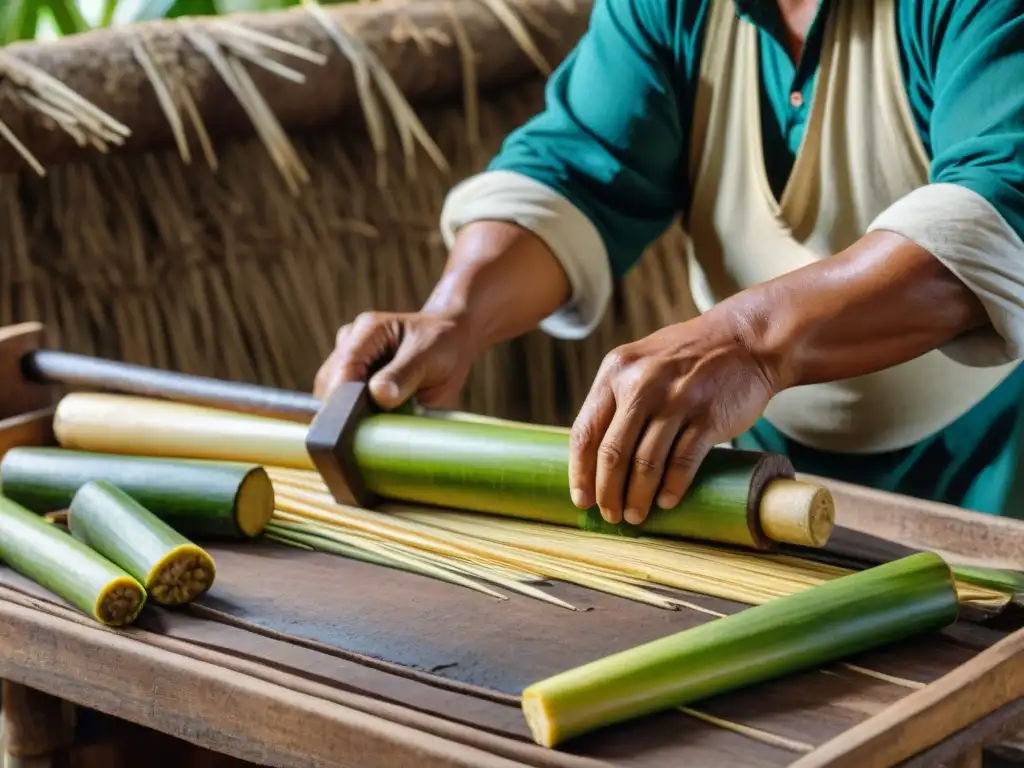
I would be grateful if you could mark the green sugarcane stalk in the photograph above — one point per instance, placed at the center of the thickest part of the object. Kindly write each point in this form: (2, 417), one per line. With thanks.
(838, 619)
(196, 498)
(523, 472)
(173, 570)
(53, 559)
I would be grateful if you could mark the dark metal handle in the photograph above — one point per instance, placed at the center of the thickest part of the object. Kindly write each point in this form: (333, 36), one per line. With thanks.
(84, 372)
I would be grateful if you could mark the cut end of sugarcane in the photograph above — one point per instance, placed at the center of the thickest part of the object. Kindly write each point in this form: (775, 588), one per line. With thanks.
(57, 518)
(538, 719)
(254, 504)
(795, 512)
(119, 604)
(185, 573)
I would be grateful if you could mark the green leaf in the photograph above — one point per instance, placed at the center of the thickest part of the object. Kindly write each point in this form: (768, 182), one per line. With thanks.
(18, 21)
(171, 9)
(109, 10)
(67, 16)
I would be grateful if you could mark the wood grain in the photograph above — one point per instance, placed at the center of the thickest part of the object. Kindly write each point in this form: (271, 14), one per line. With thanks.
(208, 705)
(34, 723)
(33, 428)
(993, 731)
(921, 720)
(300, 670)
(18, 396)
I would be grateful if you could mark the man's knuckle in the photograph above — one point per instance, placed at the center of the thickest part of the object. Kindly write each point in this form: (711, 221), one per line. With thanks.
(368, 319)
(582, 437)
(618, 359)
(645, 466)
(684, 462)
(610, 453)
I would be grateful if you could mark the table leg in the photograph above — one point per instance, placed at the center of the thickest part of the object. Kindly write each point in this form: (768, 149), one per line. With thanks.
(969, 759)
(35, 726)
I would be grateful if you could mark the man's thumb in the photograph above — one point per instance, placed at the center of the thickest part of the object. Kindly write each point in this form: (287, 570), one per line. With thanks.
(397, 381)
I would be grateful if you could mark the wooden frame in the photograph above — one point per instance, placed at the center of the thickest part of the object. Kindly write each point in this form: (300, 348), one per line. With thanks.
(284, 720)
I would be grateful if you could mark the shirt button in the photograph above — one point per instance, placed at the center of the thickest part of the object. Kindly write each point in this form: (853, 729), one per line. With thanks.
(796, 99)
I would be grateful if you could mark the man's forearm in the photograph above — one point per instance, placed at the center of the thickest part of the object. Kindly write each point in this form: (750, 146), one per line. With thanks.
(500, 281)
(882, 302)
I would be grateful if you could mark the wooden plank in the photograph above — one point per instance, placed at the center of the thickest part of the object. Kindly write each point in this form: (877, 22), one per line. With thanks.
(207, 705)
(367, 701)
(33, 428)
(35, 724)
(970, 759)
(970, 537)
(989, 732)
(18, 396)
(921, 720)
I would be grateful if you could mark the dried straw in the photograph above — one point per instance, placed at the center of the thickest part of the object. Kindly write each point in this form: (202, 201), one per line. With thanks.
(243, 266)
(627, 567)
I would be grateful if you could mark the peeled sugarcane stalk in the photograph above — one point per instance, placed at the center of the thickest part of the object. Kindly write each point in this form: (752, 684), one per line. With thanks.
(173, 570)
(196, 498)
(838, 619)
(52, 558)
(738, 497)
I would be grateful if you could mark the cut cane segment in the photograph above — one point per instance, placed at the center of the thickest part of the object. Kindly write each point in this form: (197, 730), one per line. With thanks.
(172, 568)
(53, 559)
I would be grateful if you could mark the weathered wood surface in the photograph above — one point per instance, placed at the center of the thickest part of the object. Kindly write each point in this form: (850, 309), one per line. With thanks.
(208, 704)
(34, 724)
(966, 695)
(463, 706)
(376, 667)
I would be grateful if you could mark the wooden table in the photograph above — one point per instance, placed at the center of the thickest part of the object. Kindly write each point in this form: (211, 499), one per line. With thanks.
(285, 701)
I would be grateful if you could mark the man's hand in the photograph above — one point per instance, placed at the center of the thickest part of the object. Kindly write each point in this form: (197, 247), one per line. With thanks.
(500, 281)
(656, 408)
(658, 405)
(421, 354)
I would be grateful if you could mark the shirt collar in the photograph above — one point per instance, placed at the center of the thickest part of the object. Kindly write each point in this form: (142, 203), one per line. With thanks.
(765, 14)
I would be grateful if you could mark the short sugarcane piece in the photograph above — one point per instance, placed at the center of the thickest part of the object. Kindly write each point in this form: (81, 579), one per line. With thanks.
(823, 624)
(173, 570)
(52, 558)
(196, 498)
(738, 497)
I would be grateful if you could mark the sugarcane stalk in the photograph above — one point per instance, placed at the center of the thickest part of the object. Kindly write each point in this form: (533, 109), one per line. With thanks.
(823, 624)
(196, 498)
(52, 558)
(173, 570)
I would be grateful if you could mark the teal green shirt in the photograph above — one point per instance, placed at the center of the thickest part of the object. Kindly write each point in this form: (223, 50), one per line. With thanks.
(615, 132)
(614, 139)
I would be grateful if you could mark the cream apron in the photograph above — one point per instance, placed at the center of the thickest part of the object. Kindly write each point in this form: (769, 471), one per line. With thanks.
(860, 153)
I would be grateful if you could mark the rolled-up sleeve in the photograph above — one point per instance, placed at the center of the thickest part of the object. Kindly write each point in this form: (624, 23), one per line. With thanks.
(597, 174)
(971, 216)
